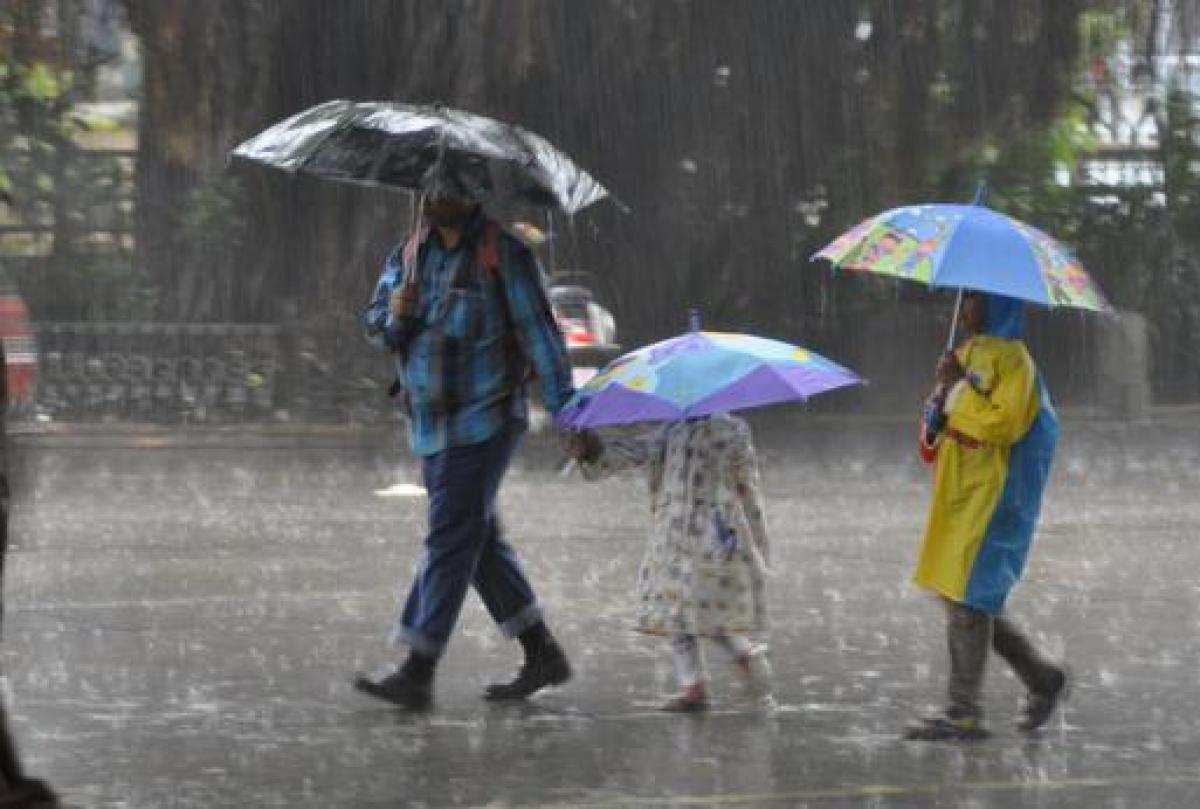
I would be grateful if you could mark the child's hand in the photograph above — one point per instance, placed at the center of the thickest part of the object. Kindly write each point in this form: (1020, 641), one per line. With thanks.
(949, 369)
(934, 415)
(582, 445)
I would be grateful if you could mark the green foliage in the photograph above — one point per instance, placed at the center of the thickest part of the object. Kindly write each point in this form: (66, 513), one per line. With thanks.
(1142, 244)
(42, 85)
(72, 202)
(1100, 31)
(34, 125)
(214, 216)
(1028, 173)
(111, 287)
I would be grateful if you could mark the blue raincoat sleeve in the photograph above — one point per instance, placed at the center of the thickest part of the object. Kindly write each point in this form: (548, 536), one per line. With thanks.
(1009, 534)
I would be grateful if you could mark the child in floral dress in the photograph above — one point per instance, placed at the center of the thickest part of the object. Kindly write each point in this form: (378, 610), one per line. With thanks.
(703, 573)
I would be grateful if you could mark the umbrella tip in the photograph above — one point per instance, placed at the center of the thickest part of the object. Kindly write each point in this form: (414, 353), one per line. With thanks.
(693, 319)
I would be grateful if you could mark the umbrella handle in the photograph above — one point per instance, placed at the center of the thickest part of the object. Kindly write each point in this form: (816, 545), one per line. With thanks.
(418, 212)
(954, 320)
(418, 217)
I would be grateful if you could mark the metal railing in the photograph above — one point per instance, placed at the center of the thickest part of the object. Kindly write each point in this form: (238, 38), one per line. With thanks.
(166, 372)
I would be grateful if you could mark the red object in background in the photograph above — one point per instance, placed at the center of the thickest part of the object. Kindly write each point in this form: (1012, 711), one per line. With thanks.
(20, 352)
(574, 320)
(585, 324)
(576, 333)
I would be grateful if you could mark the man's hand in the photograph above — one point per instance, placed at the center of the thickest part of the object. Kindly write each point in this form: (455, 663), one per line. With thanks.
(949, 369)
(398, 303)
(581, 445)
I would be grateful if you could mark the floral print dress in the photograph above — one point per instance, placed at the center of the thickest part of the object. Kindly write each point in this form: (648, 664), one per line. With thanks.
(705, 563)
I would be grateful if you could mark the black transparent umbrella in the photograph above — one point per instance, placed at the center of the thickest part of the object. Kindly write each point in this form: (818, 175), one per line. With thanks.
(392, 144)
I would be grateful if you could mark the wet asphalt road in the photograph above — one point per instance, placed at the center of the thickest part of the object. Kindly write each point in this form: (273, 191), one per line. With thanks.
(184, 616)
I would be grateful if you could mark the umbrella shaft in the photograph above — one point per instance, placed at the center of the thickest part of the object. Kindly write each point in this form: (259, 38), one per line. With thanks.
(954, 320)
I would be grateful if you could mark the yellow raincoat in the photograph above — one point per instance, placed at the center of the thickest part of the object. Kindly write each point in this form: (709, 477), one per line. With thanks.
(993, 458)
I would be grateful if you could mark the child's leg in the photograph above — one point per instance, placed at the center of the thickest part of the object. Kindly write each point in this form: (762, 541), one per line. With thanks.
(689, 668)
(750, 659)
(689, 665)
(738, 647)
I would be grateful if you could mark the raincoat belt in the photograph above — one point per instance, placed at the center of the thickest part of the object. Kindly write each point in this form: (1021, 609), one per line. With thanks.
(963, 439)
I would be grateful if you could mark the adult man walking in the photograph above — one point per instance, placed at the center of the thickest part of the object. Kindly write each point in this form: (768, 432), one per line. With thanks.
(992, 428)
(462, 307)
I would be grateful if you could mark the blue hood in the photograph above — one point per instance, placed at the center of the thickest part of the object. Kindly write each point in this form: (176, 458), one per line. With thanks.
(1004, 316)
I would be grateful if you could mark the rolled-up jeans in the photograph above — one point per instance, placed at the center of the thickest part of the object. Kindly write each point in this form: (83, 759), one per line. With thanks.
(465, 547)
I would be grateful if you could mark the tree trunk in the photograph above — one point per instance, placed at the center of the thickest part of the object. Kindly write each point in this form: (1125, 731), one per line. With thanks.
(706, 117)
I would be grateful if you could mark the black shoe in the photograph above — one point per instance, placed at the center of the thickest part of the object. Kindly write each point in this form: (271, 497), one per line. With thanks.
(29, 793)
(1039, 706)
(950, 726)
(549, 667)
(399, 688)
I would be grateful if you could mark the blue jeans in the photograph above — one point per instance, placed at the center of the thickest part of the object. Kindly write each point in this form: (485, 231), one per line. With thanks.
(465, 547)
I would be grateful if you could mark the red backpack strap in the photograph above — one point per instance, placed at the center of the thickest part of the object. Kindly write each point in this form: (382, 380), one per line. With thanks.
(413, 245)
(487, 254)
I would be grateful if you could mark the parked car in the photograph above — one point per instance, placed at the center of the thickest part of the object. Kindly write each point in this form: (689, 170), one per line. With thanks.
(588, 327)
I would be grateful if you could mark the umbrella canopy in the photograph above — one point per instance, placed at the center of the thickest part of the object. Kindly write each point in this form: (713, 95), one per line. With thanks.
(394, 145)
(967, 247)
(698, 374)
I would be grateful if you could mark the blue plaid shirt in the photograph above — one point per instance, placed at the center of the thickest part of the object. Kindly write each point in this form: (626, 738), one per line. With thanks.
(463, 368)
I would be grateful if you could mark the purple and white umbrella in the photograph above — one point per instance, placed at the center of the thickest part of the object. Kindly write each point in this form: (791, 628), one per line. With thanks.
(698, 374)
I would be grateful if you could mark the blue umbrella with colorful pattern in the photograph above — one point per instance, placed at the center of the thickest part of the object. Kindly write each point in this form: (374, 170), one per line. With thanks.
(967, 247)
(971, 247)
(698, 374)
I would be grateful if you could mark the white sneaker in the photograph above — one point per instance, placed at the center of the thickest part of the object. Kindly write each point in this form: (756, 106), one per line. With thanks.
(756, 673)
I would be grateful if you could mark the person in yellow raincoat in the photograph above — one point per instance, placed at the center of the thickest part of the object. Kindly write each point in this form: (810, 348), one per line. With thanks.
(991, 429)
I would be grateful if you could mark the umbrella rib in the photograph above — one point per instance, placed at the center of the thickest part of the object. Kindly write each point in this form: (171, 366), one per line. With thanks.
(958, 229)
(1027, 243)
(343, 117)
(1024, 242)
(770, 367)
